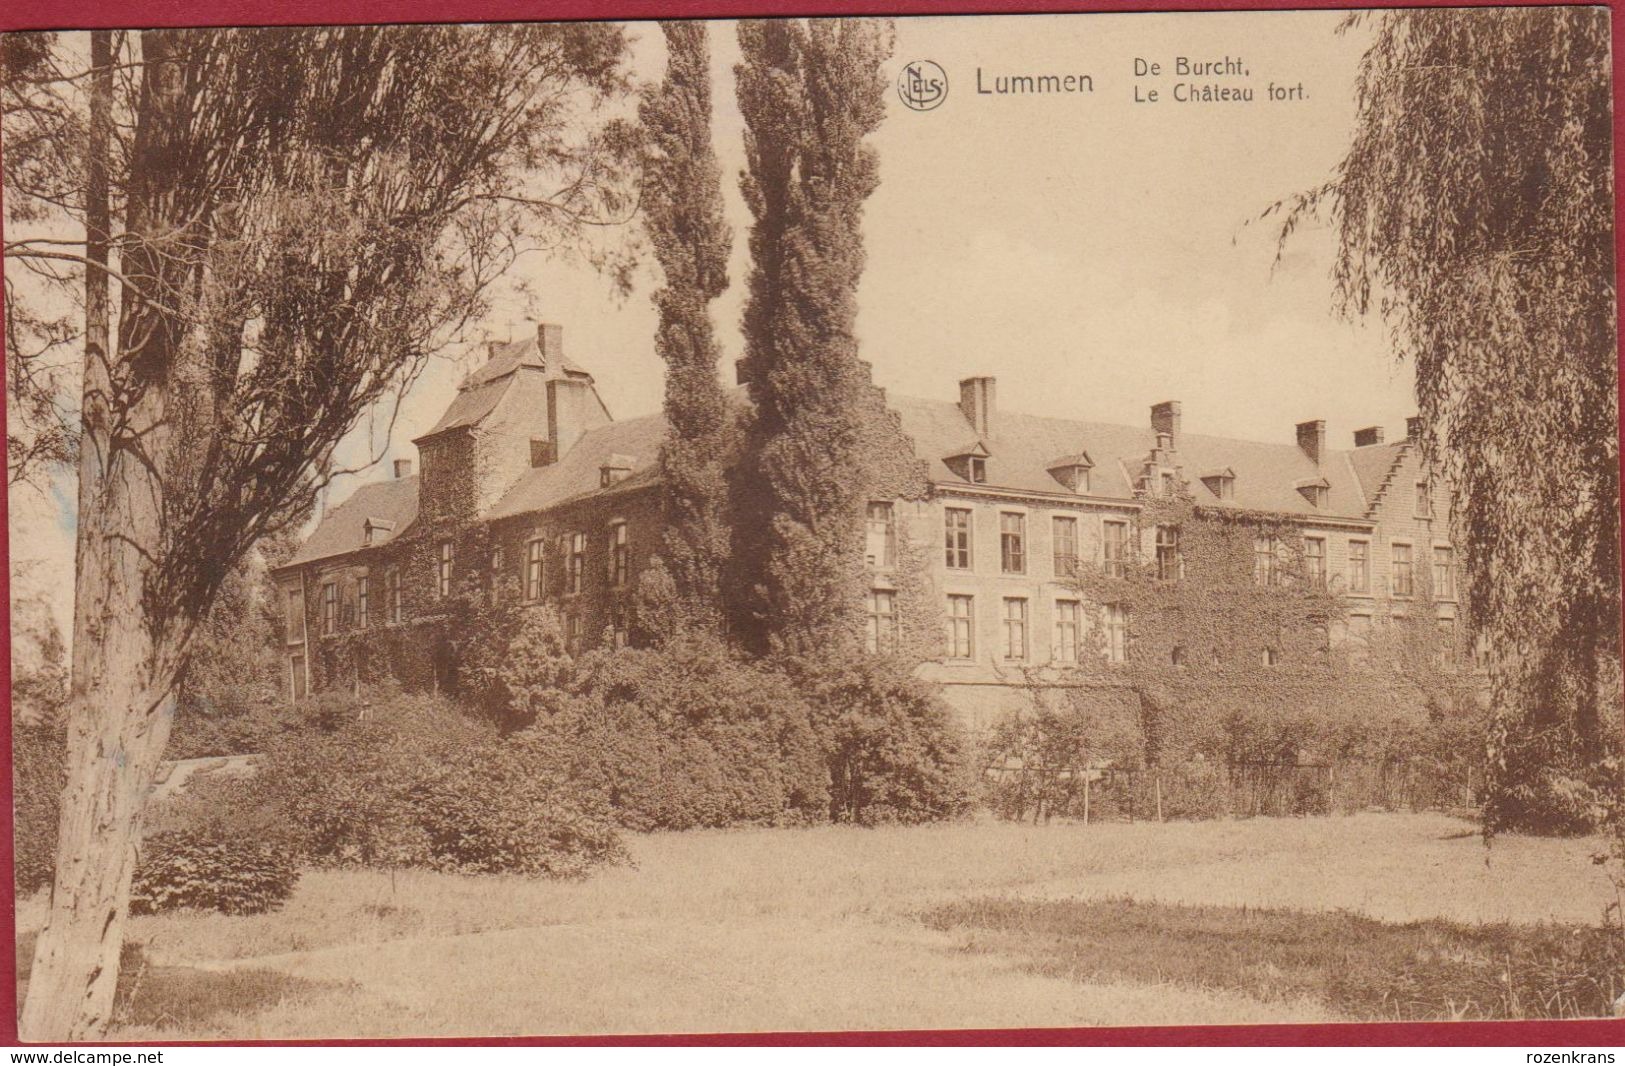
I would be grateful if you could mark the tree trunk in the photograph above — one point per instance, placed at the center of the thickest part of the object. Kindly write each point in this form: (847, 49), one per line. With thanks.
(124, 665)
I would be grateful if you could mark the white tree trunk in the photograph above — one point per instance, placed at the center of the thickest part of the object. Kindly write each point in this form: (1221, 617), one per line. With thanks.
(122, 696)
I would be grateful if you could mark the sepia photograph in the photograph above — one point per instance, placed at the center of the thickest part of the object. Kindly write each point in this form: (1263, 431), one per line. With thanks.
(813, 525)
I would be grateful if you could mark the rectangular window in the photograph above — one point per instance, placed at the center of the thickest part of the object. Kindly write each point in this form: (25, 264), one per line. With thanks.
(496, 573)
(1424, 500)
(572, 633)
(961, 615)
(1168, 553)
(296, 615)
(392, 595)
(1359, 566)
(361, 614)
(1067, 614)
(957, 531)
(1064, 540)
(1015, 629)
(443, 571)
(575, 562)
(1444, 573)
(978, 470)
(620, 632)
(882, 621)
(618, 563)
(330, 608)
(1314, 561)
(533, 570)
(1116, 633)
(1404, 575)
(881, 548)
(1114, 548)
(296, 676)
(1265, 571)
(1012, 542)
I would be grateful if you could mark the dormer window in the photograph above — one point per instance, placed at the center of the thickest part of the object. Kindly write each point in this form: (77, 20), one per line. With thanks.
(1316, 490)
(1072, 471)
(616, 468)
(375, 531)
(1222, 483)
(970, 463)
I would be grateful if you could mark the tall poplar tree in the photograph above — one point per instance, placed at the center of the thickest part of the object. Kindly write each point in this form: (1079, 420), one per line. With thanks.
(810, 93)
(682, 210)
(1475, 215)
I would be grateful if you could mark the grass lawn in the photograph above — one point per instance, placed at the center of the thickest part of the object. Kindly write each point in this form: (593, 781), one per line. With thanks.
(1365, 969)
(840, 928)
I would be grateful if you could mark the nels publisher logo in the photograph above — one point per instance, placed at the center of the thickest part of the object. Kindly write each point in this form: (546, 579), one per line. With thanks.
(922, 85)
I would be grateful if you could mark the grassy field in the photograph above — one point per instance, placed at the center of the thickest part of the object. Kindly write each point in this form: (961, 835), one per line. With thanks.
(839, 928)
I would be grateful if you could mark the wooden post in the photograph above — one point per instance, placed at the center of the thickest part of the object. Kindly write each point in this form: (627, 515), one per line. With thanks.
(1159, 795)
(1086, 779)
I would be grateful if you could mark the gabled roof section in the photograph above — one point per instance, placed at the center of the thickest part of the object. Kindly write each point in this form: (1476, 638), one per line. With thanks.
(975, 449)
(505, 358)
(471, 405)
(1066, 461)
(482, 390)
(344, 528)
(578, 472)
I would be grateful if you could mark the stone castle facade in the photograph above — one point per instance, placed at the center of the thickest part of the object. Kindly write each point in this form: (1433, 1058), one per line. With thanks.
(528, 491)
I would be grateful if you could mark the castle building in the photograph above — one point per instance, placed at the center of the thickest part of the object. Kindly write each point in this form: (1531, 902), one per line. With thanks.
(528, 491)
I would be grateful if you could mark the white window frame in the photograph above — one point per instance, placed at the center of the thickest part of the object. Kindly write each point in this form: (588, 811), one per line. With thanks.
(535, 569)
(1363, 586)
(1068, 630)
(952, 550)
(955, 622)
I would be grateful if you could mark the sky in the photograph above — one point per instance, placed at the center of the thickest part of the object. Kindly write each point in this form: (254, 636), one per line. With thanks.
(1092, 252)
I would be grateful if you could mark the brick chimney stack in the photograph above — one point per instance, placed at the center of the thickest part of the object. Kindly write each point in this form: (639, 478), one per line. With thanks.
(1312, 438)
(1364, 438)
(550, 342)
(1165, 420)
(403, 468)
(978, 399)
(1413, 428)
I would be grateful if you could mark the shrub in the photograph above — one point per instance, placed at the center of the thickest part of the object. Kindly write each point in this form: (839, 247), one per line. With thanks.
(210, 872)
(892, 748)
(689, 735)
(413, 783)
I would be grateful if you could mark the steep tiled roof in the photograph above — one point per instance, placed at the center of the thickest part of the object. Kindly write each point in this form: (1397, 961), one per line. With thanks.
(1023, 445)
(1021, 453)
(342, 528)
(577, 472)
(506, 358)
(471, 405)
(483, 389)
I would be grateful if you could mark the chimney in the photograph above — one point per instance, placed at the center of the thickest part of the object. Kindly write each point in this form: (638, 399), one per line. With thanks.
(1165, 420)
(1413, 428)
(550, 343)
(977, 400)
(1364, 438)
(403, 468)
(1312, 438)
(542, 451)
